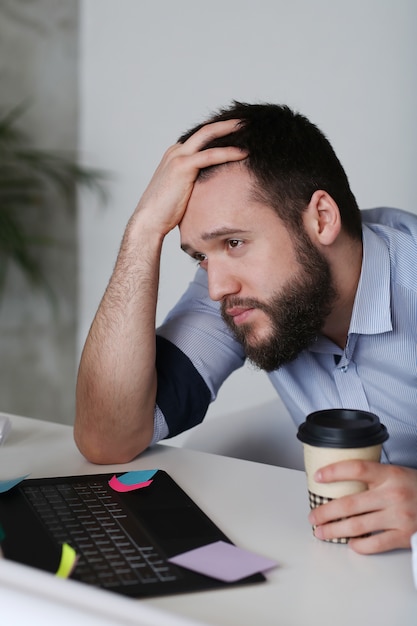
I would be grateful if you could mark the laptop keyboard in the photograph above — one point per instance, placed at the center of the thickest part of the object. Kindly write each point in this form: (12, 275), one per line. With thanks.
(90, 519)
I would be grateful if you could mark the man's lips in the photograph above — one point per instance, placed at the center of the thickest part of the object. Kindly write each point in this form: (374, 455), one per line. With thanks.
(239, 314)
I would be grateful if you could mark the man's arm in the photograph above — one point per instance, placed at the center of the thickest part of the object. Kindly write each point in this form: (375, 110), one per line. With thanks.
(116, 383)
(116, 386)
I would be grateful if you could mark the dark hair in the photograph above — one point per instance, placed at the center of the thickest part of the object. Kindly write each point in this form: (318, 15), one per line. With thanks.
(290, 158)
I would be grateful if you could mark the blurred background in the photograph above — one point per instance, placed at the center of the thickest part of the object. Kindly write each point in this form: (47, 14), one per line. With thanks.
(110, 84)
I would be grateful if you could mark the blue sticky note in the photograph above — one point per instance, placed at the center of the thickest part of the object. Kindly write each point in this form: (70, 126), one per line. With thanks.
(137, 477)
(5, 485)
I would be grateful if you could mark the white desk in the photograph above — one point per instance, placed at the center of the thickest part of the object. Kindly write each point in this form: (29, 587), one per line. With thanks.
(262, 508)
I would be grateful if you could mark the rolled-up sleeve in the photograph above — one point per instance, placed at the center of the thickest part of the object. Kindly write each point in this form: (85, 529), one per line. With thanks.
(196, 352)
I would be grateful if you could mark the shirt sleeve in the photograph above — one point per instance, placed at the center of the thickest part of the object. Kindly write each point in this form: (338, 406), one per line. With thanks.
(196, 352)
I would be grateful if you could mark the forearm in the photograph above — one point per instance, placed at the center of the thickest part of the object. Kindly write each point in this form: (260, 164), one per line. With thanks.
(116, 385)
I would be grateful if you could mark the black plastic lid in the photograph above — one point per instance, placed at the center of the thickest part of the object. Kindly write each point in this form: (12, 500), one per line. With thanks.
(342, 428)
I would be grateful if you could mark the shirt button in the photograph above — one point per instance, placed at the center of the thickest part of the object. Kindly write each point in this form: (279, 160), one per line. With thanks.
(344, 369)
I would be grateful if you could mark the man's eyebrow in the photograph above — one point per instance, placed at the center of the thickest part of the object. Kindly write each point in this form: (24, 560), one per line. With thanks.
(214, 234)
(222, 232)
(187, 249)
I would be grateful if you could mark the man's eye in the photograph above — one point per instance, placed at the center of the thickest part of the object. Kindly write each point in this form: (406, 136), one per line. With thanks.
(234, 243)
(200, 257)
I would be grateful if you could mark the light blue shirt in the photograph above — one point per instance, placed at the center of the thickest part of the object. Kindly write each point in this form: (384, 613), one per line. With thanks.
(377, 370)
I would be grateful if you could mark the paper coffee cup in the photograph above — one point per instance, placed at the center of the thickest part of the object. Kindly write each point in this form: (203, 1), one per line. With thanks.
(334, 435)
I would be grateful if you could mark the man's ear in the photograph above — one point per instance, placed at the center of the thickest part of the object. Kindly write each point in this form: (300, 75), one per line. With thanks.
(322, 218)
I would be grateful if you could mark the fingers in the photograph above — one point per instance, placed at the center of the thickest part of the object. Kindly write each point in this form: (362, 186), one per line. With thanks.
(380, 542)
(346, 507)
(351, 516)
(363, 539)
(186, 159)
(202, 158)
(216, 156)
(379, 519)
(207, 133)
(363, 471)
(327, 526)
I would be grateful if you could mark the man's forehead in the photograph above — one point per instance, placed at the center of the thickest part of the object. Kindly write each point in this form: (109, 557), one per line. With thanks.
(223, 189)
(225, 208)
(218, 203)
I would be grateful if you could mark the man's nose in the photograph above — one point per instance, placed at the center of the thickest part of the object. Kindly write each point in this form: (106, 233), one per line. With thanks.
(221, 282)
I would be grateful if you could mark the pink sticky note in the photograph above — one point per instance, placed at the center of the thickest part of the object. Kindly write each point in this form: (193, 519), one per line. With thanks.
(136, 479)
(120, 486)
(223, 561)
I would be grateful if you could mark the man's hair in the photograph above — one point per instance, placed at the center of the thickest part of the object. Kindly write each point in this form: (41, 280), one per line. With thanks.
(289, 158)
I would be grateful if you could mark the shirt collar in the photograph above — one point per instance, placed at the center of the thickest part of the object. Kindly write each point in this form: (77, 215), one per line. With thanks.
(371, 313)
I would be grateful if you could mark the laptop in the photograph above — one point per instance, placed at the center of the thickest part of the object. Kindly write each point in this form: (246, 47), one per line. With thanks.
(123, 539)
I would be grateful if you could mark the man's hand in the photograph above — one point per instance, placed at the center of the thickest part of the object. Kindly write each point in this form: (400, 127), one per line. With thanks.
(169, 190)
(388, 508)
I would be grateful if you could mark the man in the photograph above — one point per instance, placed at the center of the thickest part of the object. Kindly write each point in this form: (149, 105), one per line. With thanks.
(290, 278)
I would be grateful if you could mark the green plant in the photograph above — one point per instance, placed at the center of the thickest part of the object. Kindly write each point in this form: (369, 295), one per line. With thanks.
(28, 177)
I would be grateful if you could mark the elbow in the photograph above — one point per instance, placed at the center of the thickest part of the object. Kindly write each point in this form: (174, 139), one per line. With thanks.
(101, 450)
(102, 454)
(90, 447)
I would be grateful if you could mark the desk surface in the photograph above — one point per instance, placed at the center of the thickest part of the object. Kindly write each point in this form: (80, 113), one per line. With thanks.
(262, 508)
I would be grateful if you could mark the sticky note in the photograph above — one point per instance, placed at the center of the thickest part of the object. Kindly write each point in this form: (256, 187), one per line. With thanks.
(5, 485)
(68, 561)
(132, 480)
(223, 561)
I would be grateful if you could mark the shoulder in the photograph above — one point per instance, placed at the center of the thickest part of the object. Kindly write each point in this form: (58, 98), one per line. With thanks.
(391, 222)
(397, 229)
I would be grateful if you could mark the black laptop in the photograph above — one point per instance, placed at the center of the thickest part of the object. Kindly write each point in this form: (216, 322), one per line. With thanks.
(122, 539)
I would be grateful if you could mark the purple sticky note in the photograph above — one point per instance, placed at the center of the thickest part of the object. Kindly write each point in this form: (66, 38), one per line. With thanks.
(223, 561)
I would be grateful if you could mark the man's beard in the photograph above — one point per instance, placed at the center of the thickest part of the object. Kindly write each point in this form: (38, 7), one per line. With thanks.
(296, 314)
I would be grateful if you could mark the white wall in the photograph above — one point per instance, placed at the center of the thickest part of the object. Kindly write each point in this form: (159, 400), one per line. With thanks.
(151, 69)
